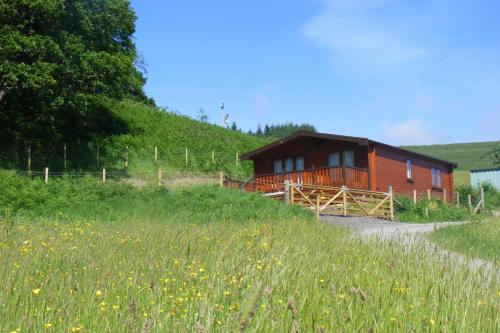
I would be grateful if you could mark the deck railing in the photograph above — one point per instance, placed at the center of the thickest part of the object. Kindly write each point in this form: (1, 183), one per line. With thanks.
(351, 177)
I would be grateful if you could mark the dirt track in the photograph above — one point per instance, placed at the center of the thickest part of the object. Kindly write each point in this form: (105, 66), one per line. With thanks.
(408, 234)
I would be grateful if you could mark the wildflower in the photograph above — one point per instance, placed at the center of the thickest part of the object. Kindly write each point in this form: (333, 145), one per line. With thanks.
(227, 293)
(98, 293)
(75, 329)
(432, 322)
(201, 270)
(36, 291)
(115, 307)
(47, 326)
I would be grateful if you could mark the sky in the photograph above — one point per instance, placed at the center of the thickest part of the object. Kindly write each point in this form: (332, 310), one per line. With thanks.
(401, 72)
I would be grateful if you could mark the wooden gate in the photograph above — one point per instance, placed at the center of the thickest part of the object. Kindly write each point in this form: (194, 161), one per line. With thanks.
(340, 200)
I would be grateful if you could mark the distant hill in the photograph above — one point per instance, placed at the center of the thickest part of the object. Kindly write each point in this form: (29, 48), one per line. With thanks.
(467, 155)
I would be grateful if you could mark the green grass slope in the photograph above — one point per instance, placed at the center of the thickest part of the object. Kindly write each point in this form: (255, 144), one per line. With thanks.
(467, 155)
(150, 127)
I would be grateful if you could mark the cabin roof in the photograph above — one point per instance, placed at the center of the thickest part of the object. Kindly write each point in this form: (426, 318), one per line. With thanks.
(325, 136)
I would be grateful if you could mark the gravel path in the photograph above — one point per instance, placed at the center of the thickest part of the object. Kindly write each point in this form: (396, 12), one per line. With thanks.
(409, 234)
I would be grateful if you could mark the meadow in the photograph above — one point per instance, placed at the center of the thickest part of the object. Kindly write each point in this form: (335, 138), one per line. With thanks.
(85, 256)
(478, 240)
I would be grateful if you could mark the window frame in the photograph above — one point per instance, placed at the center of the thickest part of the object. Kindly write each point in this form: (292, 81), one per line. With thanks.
(302, 164)
(409, 170)
(286, 160)
(335, 153)
(344, 154)
(436, 178)
(275, 163)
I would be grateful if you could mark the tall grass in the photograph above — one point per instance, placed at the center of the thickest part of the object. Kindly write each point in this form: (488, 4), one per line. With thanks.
(478, 240)
(216, 260)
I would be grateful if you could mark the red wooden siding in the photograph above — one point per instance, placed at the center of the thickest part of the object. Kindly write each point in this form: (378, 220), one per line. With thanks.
(390, 170)
(315, 153)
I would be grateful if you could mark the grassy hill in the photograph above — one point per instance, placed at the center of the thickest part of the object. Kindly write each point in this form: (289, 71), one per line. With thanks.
(172, 134)
(467, 155)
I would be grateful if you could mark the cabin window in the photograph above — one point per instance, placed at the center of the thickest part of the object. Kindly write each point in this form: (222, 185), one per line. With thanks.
(334, 159)
(409, 175)
(349, 158)
(277, 166)
(436, 177)
(299, 163)
(289, 165)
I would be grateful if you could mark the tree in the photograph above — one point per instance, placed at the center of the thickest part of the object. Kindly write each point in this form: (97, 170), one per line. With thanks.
(234, 127)
(202, 116)
(59, 61)
(494, 155)
(259, 130)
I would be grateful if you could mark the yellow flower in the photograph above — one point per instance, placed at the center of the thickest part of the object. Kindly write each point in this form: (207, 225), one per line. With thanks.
(432, 322)
(47, 326)
(36, 291)
(201, 270)
(75, 329)
(98, 293)
(115, 307)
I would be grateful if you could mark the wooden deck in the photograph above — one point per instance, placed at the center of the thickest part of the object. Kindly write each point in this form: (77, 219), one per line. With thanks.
(332, 191)
(338, 176)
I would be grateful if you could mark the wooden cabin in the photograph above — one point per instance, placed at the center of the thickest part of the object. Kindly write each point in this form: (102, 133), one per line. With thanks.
(360, 163)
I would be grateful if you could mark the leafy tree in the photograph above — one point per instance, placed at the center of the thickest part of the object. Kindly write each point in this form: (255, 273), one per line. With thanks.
(59, 61)
(494, 155)
(202, 116)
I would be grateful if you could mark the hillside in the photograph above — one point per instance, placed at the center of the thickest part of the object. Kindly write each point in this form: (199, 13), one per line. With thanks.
(467, 155)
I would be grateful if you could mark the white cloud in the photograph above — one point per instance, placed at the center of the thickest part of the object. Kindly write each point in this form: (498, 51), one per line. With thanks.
(349, 30)
(410, 132)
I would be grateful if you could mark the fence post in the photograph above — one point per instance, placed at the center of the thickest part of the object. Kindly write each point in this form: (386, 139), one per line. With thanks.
(458, 199)
(156, 153)
(291, 193)
(344, 199)
(391, 203)
(213, 157)
(317, 205)
(46, 175)
(469, 200)
(428, 194)
(65, 159)
(221, 179)
(414, 197)
(444, 195)
(482, 197)
(29, 160)
(159, 177)
(103, 175)
(186, 156)
(97, 158)
(237, 159)
(426, 211)
(126, 157)
(286, 195)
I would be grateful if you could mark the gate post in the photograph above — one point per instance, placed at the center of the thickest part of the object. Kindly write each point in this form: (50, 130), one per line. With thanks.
(317, 206)
(286, 197)
(344, 199)
(391, 202)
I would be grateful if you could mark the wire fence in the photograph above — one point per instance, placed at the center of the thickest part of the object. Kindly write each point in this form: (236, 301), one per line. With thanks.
(77, 160)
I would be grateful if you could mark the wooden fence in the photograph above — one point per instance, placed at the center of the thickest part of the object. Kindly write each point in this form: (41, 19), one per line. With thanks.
(335, 176)
(340, 200)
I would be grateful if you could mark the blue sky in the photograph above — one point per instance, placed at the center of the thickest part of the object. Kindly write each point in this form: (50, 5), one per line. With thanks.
(402, 72)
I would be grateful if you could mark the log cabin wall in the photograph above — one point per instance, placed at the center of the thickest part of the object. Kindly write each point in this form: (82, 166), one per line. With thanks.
(314, 151)
(390, 170)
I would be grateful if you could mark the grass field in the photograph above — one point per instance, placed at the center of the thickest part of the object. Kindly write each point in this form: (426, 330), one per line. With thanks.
(478, 240)
(467, 155)
(83, 256)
